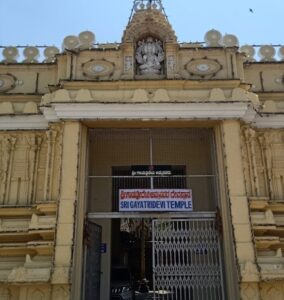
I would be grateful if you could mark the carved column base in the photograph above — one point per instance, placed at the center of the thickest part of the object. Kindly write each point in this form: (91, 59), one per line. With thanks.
(250, 291)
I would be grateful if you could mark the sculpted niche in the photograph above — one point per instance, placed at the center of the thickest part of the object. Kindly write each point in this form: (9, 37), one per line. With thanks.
(150, 56)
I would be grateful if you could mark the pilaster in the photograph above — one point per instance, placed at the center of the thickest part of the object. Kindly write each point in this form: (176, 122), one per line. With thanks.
(128, 62)
(239, 209)
(66, 205)
(171, 50)
(78, 253)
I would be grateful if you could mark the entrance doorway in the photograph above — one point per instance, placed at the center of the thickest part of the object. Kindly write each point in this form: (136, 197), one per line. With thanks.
(132, 249)
(173, 258)
(163, 252)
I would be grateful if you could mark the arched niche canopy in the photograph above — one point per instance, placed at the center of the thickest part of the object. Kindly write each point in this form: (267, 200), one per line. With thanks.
(149, 23)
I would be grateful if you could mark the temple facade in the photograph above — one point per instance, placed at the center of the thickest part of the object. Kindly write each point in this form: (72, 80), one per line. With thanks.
(157, 162)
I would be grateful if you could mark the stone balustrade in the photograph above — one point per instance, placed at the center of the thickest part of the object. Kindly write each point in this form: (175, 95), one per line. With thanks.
(262, 53)
(47, 54)
(86, 41)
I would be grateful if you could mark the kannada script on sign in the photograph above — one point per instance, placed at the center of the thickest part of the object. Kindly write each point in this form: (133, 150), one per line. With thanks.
(155, 200)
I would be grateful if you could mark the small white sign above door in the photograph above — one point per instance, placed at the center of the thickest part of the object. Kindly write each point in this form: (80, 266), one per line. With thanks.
(155, 200)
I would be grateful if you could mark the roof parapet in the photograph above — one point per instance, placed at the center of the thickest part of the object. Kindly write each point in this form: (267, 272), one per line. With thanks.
(86, 41)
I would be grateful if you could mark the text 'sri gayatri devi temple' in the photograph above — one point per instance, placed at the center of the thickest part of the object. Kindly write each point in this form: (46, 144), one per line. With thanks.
(147, 169)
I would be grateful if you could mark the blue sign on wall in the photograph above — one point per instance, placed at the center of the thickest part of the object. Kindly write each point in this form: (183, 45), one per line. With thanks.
(103, 247)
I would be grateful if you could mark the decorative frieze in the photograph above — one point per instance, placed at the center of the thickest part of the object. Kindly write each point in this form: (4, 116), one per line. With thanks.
(263, 162)
(61, 293)
(10, 108)
(272, 290)
(30, 167)
(34, 292)
(175, 94)
(27, 243)
(5, 294)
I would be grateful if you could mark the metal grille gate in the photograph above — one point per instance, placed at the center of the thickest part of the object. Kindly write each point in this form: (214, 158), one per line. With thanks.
(187, 259)
(93, 262)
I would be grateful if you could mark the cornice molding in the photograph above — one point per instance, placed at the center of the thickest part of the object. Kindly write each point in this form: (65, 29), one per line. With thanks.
(269, 121)
(27, 122)
(153, 84)
(142, 111)
(149, 111)
(162, 111)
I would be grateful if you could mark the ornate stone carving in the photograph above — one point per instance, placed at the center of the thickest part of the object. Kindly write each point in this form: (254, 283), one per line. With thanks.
(251, 144)
(147, 4)
(37, 295)
(6, 108)
(249, 272)
(60, 293)
(161, 95)
(51, 138)
(272, 291)
(23, 274)
(8, 177)
(203, 67)
(29, 167)
(5, 294)
(249, 291)
(217, 94)
(128, 64)
(140, 95)
(7, 82)
(151, 22)
(60, 275)
(149, 56)
(98, 68)
(171, 63)
(263, 163)
(264, 172)
(30, 108)
(18, 275)
(84, 95)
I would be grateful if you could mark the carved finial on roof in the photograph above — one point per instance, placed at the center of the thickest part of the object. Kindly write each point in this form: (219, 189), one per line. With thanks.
(148, 19)
(147, 4)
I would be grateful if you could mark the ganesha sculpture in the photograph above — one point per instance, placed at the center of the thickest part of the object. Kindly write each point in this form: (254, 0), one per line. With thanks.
(149, 56)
